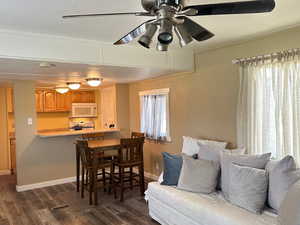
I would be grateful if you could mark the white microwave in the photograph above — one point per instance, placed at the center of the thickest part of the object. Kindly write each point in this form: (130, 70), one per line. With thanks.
(84, 110)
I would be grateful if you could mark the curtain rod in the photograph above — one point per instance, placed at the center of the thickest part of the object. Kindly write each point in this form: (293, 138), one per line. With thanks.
(266, 56)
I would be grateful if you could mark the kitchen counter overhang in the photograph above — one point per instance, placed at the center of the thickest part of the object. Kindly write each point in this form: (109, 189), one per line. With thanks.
(62, 133)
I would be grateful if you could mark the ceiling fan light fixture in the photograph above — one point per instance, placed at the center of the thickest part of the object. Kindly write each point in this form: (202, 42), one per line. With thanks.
(146, 39)
(94, 82)
(184, 37)
(162, 47)
(74, 85)
(62, 90)
(166, 32)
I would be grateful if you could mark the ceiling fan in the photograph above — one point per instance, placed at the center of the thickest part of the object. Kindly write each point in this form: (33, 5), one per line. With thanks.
(172, 15)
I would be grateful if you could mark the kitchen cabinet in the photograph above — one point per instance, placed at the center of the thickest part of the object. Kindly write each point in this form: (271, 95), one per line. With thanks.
(52, 101)
(108, 107)
(39, 100)
(12, 149)
(63, 102)
(49, 101)
(9, 100)
(83, 97)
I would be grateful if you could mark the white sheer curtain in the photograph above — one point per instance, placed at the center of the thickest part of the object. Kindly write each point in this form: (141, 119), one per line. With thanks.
(269, 105)
(154, 116)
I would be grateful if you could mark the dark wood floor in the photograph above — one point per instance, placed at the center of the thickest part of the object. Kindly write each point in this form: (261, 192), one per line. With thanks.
(34, 207)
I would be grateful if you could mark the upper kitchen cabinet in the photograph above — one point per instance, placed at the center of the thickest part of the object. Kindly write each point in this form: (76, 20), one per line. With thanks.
(49, 101)
(10, 101)
(39, 100)
(52, 101)
(83, 97)
(63, 102)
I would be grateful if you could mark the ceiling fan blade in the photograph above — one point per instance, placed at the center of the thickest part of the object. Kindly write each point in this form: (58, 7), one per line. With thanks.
(133, 34)
(198, 32)
(258, 6)
(107, 14)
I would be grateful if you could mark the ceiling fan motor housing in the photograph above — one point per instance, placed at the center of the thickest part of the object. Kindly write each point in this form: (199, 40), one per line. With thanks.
(154, 5)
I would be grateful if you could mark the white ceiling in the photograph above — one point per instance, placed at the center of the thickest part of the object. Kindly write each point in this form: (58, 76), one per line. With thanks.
(45, 17)
(12, 69)
(40, 16)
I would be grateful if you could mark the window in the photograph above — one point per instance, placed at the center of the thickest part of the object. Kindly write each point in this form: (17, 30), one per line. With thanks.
(155, 114)
(269, 106)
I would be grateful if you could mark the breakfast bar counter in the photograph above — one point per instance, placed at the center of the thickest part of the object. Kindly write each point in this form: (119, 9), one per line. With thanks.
(67, 132)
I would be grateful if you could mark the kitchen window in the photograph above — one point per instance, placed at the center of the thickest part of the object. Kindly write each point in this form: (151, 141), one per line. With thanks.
(155, 114)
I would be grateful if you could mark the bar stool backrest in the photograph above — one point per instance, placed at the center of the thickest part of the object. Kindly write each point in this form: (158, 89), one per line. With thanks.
(131, 150)
(137, 135)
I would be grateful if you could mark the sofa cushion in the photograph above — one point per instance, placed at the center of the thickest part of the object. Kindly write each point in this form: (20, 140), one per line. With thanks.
(213, 152)
(205, 209)
(289, 212)
(198, 175)
(282, 175)
(190, 145)
(254, 161)
(248, 187)
(172, 168)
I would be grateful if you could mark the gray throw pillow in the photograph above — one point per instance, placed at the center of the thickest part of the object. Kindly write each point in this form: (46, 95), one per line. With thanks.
(282, 175)
(198, 175)
(253, 161)
(172, 168)
(248, 187)
(289, 212)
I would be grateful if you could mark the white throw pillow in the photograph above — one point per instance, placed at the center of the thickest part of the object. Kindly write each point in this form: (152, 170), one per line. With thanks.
(191, 145)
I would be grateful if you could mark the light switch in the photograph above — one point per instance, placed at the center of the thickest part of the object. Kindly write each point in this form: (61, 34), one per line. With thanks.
(29, 121)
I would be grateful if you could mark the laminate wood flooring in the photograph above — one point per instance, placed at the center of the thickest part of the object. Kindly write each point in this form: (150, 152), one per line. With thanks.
(35, 207)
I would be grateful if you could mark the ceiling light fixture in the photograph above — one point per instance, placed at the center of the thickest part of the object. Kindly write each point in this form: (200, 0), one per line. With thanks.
(184, 37)
(74, 85)
(146, 39)
(62, 90)
(165, 36)
(94, 82)
(47, 65)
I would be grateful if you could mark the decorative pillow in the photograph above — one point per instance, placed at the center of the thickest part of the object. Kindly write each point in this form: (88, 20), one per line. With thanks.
(198, 175)
(282, 175)
(172, 168)
(289, 212)
(254, 161)
(248, 187)
(210, 152)
(190, 145)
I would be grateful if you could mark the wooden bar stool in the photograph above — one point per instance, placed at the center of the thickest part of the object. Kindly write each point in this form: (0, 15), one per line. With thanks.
(130, 155)
(137, 135)
(93, 165)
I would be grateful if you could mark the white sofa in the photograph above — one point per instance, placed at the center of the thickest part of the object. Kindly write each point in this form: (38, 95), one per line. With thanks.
(170, 206)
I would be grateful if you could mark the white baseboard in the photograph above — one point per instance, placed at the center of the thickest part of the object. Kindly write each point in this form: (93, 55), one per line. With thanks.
(44, 184)
(28, 187)
(148, 175)
(5, 172)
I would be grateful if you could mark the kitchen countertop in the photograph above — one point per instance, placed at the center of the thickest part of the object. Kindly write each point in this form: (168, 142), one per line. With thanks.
(66, 132)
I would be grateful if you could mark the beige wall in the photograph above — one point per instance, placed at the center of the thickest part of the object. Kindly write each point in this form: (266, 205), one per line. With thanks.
(203, 104)
(52, 120)
(4, 149)
(122, 108)
(38, 159)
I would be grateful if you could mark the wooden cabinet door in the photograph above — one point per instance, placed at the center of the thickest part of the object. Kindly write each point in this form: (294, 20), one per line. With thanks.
(63, 102)
(13, 155)
(108, 106)
(49, 101)
(83, 97)
(9, 99)
(39, 100)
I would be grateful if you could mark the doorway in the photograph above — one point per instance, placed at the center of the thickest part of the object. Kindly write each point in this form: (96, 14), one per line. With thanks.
(7, 132)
